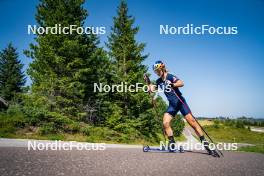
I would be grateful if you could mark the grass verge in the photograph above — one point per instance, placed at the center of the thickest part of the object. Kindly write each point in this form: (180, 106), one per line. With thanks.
(256, 149)
(232, 134)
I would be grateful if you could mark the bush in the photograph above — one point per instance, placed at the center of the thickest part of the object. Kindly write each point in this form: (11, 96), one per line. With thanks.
(86, 130)
(7, 131)
(72, 127)
(39, 112)
(13, 117)
(216, 126)
(177, 125)
(229, 122)
(14, 110)
(239, 124)
(59, 119)
(34, 116)
(9, 122)
(99, 134)
(35, 109)
(216, 122)
(48, 128)
(114, 117)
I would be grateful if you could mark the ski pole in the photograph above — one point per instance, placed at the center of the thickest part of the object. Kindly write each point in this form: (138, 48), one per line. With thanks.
(196, 120)
(147, 80)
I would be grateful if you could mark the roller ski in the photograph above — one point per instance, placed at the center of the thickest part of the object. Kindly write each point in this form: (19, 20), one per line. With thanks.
(163, 150)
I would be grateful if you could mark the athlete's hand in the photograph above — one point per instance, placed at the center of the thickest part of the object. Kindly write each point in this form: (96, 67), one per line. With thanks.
(146, 79)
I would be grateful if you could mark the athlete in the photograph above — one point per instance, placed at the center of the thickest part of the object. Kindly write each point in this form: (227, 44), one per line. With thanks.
(166, 82)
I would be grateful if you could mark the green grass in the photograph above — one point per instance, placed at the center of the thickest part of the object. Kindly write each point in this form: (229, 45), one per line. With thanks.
(232, 134)
(256, 149)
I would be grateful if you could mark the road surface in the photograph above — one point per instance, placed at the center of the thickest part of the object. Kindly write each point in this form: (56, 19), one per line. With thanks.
(122, 160)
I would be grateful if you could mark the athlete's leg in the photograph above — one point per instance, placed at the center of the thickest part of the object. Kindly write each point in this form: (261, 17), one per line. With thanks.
(192, 122)
(168, 130)
(168, 115)
(166, 124)
(185, 110)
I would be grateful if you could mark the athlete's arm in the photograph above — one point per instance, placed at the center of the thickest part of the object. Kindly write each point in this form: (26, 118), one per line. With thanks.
(178, 83)
(151, 87)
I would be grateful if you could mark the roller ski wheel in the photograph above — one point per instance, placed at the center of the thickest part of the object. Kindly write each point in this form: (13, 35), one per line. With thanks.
(146, 148)
(181, 149)
(214, 154)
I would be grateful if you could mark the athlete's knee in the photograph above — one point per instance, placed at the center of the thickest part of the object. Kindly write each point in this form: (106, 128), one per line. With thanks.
(191, 120)
(166, 120)
(194, 124)
(166, 124)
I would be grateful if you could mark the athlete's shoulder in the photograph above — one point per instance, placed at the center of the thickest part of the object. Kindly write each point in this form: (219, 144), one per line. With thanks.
(172, 77)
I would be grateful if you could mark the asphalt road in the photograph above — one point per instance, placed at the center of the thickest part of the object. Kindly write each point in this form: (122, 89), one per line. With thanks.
(126, 161)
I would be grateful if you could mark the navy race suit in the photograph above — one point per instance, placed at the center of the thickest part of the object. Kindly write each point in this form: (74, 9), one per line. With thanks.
(175, 105)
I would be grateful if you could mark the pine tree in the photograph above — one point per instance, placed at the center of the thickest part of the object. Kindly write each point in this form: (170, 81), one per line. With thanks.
(12, 78)
(126, 55)
(65, 66)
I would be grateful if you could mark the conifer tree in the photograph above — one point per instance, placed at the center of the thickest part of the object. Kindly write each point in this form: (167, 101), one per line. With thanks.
(127, 56)
(12, 78)
(65, 66)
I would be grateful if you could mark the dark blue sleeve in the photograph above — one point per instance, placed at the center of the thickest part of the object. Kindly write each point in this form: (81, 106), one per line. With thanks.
(172, 78)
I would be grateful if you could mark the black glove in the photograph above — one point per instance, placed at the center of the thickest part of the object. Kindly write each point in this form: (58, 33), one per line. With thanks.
(146, 79)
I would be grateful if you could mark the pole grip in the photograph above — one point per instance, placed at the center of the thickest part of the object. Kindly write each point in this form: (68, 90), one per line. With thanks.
(146, 79)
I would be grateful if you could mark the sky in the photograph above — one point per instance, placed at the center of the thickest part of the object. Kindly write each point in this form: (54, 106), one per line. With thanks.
(223, 74)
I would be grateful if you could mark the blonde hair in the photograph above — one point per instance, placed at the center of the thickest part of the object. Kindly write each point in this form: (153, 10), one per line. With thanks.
(165, 70)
